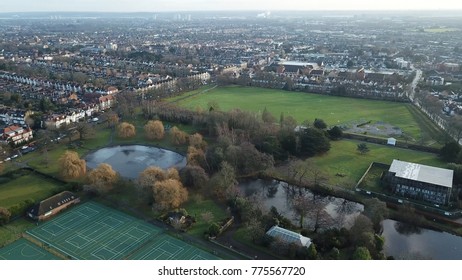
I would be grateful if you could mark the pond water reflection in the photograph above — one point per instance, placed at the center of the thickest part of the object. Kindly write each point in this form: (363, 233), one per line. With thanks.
(130, 160)
(335, 212)
(404, 241)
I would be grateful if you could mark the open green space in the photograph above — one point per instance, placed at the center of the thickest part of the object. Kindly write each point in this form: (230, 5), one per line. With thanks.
(25, 250)
(92, 231)
(344, 165)
(13, 231)
(196, 208)
(305, 106)
(26, 187)
(372, 180)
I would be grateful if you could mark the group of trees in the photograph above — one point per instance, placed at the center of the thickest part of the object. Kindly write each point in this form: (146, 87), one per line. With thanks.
(161, 188)
(100, 179)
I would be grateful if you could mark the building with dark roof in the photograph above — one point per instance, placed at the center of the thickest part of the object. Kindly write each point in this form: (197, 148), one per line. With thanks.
(52, 206)
(420, 182)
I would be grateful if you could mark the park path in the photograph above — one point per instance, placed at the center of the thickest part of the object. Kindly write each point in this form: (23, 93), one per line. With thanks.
(189, 96)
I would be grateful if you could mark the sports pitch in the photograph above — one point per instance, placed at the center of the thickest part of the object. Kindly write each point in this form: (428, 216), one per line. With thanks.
(91, 231)
(25, 250)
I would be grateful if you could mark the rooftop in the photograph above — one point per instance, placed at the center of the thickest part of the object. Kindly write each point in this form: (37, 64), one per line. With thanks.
(423, 173)
(289, 236)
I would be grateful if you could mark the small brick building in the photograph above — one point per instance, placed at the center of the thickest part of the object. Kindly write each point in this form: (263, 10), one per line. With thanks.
(52, 206)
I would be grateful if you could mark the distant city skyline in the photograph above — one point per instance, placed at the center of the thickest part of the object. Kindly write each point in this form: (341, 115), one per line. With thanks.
(222, 5)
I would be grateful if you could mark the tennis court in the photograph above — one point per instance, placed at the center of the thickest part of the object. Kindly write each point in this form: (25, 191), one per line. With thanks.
(91, 231)
(23, 249)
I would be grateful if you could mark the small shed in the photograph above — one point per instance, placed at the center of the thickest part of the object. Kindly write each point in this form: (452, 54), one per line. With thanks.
(391, 141)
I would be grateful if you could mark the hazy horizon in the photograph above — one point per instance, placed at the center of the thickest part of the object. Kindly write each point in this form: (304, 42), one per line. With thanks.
(131, 6)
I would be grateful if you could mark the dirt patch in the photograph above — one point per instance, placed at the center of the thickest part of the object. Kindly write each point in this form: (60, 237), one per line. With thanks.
(374, 128)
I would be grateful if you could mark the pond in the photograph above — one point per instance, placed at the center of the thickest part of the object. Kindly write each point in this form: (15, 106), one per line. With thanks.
(130, 160)
(336, 212)
(404, 241)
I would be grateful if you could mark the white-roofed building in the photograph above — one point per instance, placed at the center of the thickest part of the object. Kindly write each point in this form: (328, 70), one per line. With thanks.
(420, 182)
(289, 236)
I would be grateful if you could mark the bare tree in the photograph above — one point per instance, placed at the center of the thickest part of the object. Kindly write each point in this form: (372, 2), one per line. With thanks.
(154, 130)
(196, 141)
(169, 194)
(71, 165)
(178, 137)
(112, 119)
(312, 208)
(196, 156)
(102, 178)
(84, 130)
(126, 130)
(255, 229)
(5, 215)
(223, 182)
(172, 173)
(194, 176)
(301, 206)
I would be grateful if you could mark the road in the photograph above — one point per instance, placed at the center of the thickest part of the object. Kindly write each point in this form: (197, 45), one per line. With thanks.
(418, 76)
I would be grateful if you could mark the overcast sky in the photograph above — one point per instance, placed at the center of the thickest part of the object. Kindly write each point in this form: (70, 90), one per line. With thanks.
(229, 5)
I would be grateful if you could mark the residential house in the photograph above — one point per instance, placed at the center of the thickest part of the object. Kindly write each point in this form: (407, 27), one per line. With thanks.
(16, 134)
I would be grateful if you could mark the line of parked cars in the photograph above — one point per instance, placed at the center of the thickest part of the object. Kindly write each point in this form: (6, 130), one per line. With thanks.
(24, 150)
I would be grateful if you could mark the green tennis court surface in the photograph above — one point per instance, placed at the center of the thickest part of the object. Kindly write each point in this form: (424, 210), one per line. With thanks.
(91, 231)
(25, 250)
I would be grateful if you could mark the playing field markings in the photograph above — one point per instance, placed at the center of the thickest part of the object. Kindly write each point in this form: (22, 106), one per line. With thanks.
(78, 241)
(124, 246)
(53, 229)
(111, 222)
(29, 251)
(120, 218)
(109, 234)
(137, 233)
(51, 245)
(104, 254)
(88, 212)
(169, 248)
(198, 257)
(70, 220)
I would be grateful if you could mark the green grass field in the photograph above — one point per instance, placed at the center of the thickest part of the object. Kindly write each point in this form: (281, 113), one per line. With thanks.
(13, 231)
(26, 187)
(304, 106)
(197, 208)
(343, 165)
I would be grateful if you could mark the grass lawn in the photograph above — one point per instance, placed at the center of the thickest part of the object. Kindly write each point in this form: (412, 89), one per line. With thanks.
(371, 181)
(305, 106)
(344, 165)
(12, 231)
(26, 187)
(196, 208)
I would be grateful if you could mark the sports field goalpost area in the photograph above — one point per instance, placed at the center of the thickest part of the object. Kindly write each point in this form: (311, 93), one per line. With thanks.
(91, 231)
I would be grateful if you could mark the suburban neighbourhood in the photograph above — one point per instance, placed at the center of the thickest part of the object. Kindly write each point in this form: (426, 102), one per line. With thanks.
(230, 135)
